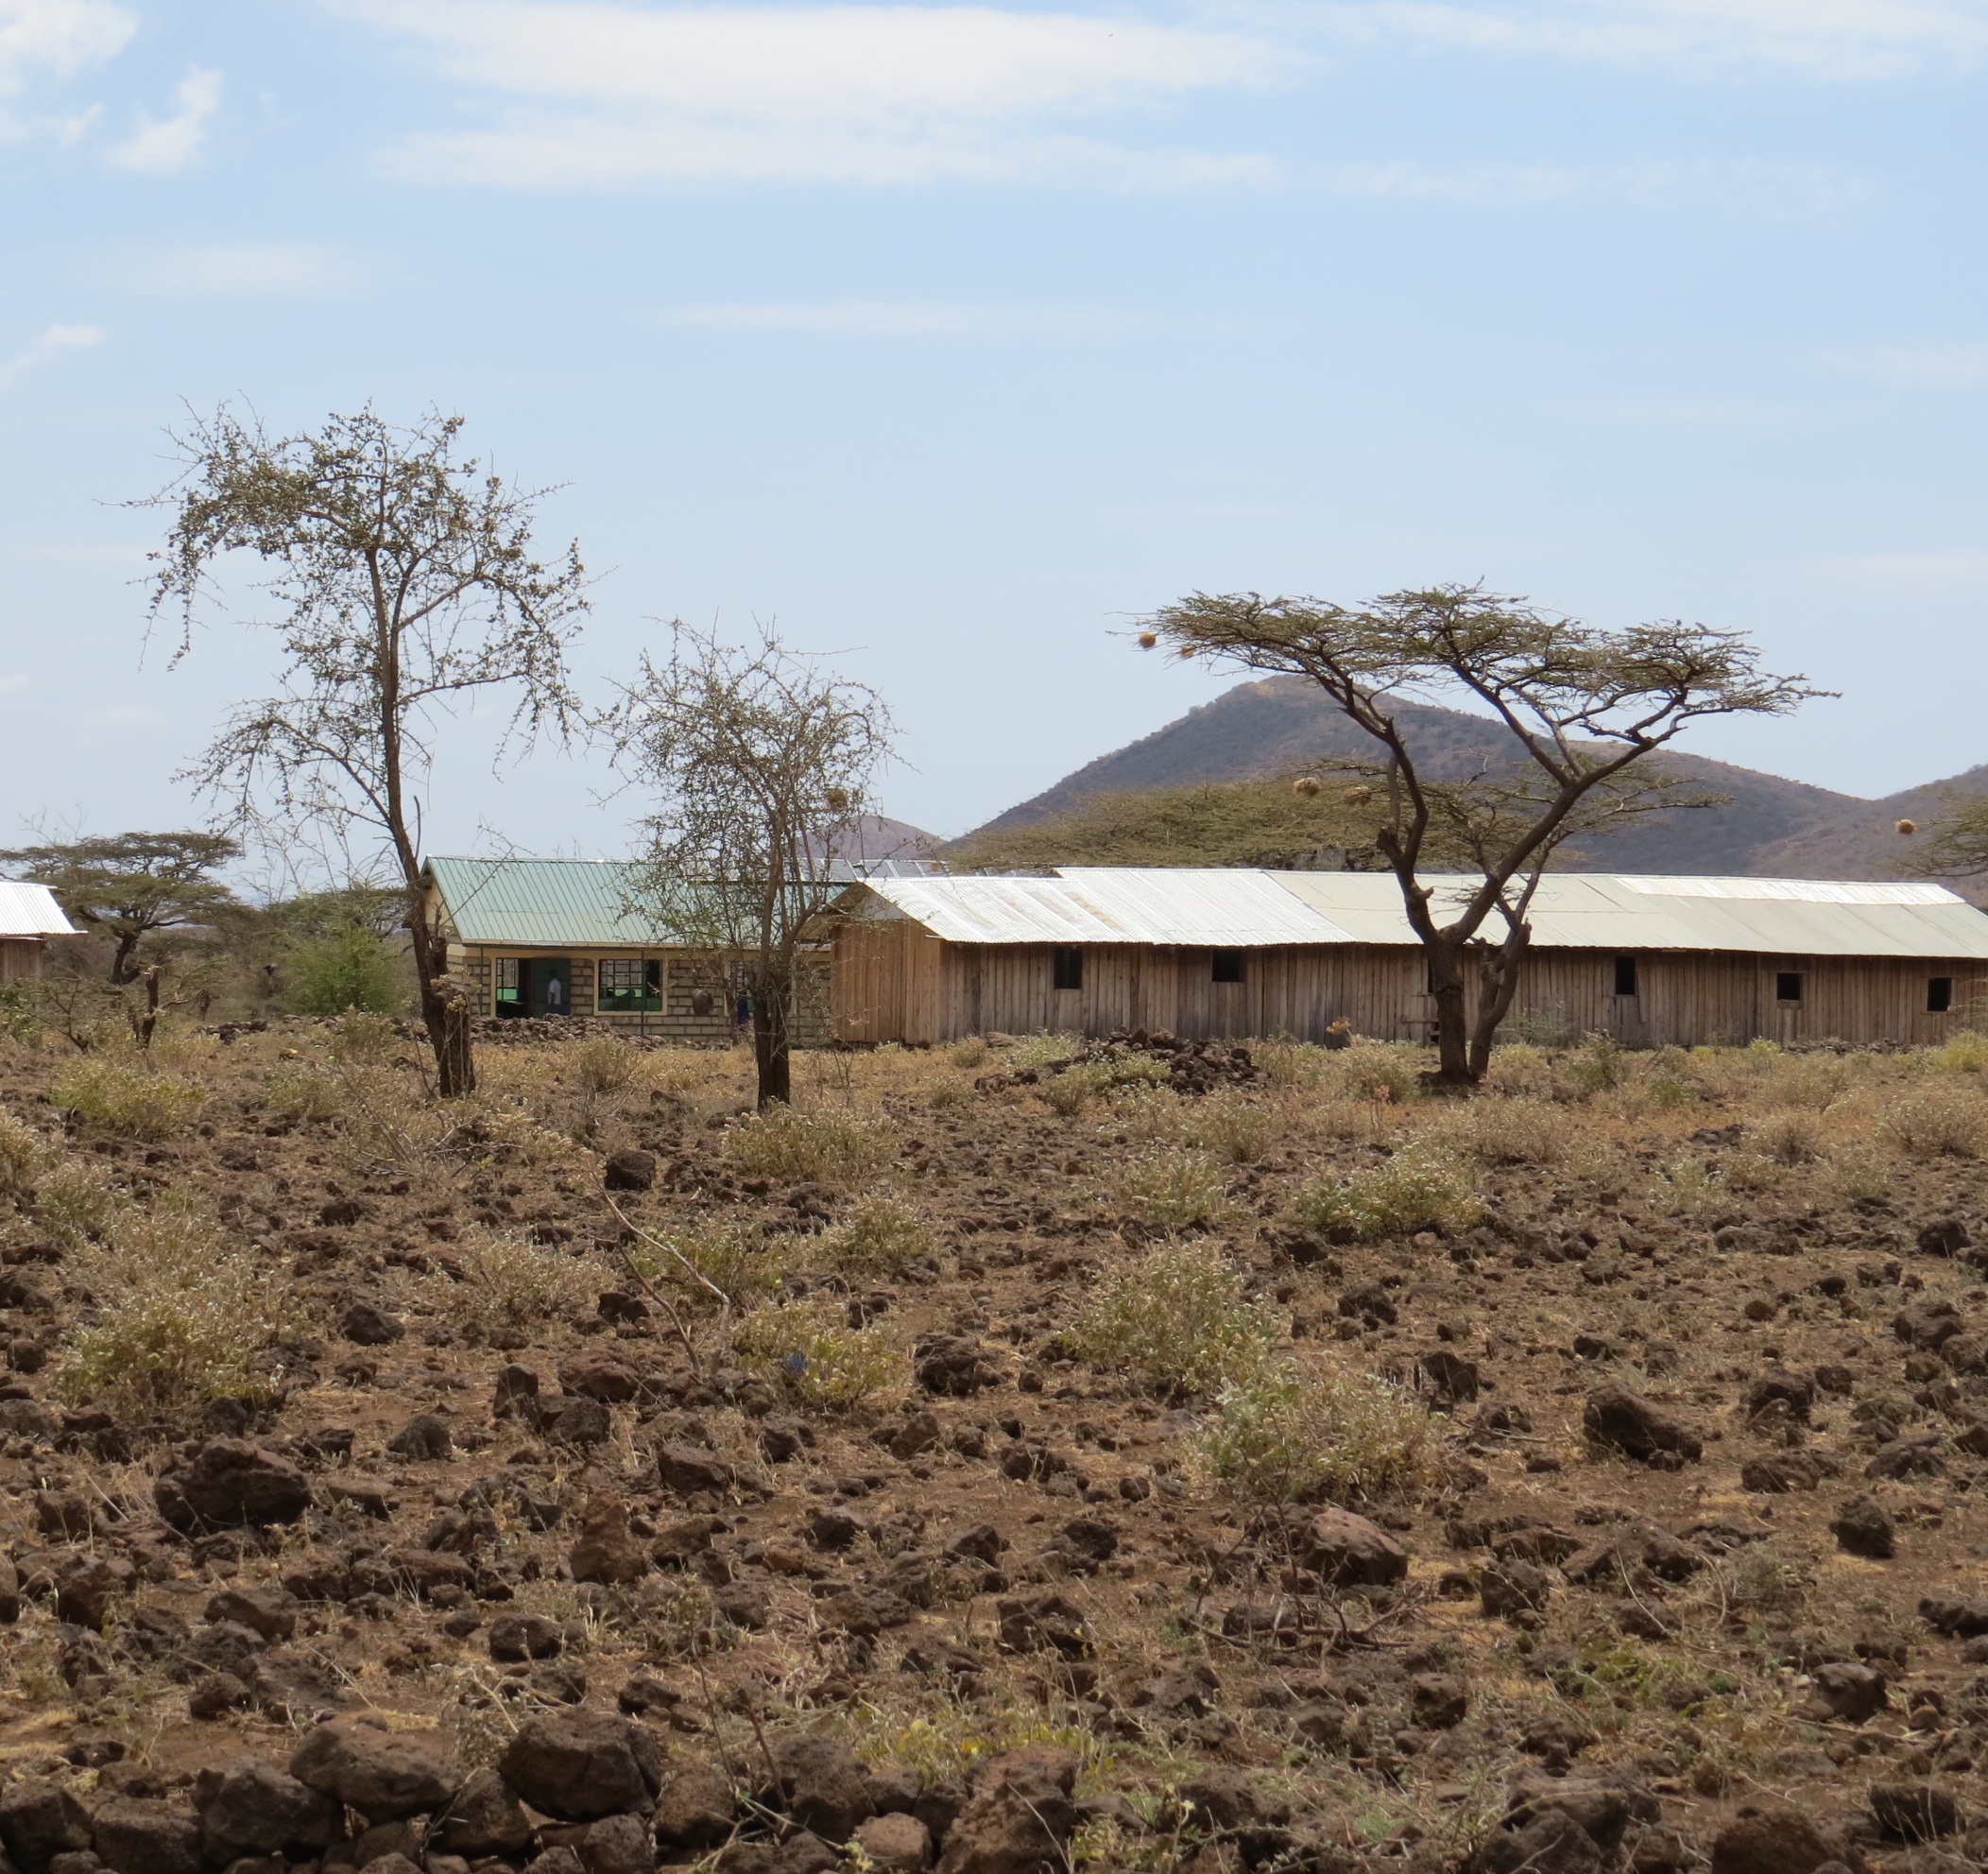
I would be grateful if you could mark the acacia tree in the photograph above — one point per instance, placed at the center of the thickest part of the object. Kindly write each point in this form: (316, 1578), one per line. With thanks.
(406, 584)
(126, 886)
(761, 762)
(1584, 707)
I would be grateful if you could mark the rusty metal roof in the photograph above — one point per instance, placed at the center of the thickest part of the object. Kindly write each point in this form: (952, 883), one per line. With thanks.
(1241, 909)
(32, 911)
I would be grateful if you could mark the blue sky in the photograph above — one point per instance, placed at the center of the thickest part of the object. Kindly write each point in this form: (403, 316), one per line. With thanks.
(954, 336)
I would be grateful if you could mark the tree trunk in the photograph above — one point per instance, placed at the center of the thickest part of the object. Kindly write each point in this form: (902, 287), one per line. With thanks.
(146, 1024)
(771, 1055)
(1446, 984)
(445, 1011)
(1496, 990)
(123, 969)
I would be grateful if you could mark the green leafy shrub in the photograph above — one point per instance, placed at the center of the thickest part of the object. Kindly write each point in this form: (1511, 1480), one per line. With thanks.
(182, 1314)
(1177, 1322)
(125, 1102)
(880, 1236)
(1420, 1187)
(508, 1287)
(1283, 1433)
(811, 1350)
(1170, 1190)
(820, 1147)
(346, 968)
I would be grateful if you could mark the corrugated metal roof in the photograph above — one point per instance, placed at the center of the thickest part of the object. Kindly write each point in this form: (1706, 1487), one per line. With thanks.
(1574, 910)
(546, 904)
(30, 911)
(1221, 909)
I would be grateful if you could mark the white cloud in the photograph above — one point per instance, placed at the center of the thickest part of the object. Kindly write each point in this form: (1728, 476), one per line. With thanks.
(164, 145)
(604, 93)
(57, 37)
(1834, 40)
(888, 319)
(231, 268)
(1956, 367)
(1746, 185)
(48, 346)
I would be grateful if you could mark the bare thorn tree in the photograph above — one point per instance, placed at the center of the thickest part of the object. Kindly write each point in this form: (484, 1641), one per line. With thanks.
(1584, 707)
(406, 584)
(761, 762)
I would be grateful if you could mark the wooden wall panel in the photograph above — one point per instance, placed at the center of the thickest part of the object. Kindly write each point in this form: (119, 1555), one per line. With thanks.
(893, 981)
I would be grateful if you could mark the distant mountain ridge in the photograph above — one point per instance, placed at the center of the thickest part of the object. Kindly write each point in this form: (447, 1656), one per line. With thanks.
(1773, 828)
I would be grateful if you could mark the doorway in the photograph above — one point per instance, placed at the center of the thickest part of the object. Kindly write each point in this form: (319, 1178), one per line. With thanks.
(541, 986)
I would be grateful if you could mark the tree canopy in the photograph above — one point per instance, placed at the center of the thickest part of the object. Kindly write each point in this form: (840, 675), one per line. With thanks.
(1586, 708)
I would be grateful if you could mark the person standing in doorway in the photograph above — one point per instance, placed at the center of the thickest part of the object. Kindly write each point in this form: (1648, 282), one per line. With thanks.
(554, 996)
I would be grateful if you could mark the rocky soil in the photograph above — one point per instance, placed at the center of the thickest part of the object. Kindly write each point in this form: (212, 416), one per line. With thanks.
(1689, 1572)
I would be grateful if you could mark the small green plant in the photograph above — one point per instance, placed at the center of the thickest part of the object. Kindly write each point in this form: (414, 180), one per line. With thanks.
(180, 1314)
(20, 1020)
(1942, 1121)
(1282, 1433)
(810, 1347)
(820, 1146)
(505, 1288)
(1293, 1063)
(125, 1102)
(25, 1158)
(948, 1094)
(1177, 1322)
(1169, 1190)
(1597, 1064)
(1420, 1187)
(880, 1236)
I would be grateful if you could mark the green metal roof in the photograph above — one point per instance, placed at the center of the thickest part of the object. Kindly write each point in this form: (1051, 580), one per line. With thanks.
(545, 904)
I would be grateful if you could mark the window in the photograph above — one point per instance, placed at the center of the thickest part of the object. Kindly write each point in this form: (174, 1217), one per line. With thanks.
(509, 989)
(1625, 975)
(1069, 967)
(1939, 994)
(627, 983)
(1788, 985)
(1227, 967)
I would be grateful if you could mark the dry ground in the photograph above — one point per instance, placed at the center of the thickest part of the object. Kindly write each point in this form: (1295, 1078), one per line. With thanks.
(1128, 1340)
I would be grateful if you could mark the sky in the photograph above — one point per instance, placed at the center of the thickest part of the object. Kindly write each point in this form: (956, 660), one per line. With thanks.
(953, 338)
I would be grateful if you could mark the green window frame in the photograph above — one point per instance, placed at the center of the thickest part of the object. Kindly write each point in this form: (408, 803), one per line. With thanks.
(509, 985)
(628, 984)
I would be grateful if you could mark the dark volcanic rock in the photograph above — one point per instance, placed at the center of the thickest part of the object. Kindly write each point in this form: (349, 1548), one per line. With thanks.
(630, 1170)
(1618, 1419)
(383, 1774)
(821, 1785)
(1021, 1818)
(366, 1325)
(1348, 1551)
(228, 1483)
(40, 1821)
(690, 1469)
(485, 1818)
(250, 1807)
(1852, 1692)
(1779, 1841)
(137, 1835)
(606, 1551)
(424, 1437)
(1862, 1527)
(951, 1365)
(1915, 1811)
(695, 1807)
(582, 1764)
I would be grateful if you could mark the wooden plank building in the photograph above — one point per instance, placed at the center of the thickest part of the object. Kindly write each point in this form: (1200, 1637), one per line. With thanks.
(1215, 953)
(29, 916)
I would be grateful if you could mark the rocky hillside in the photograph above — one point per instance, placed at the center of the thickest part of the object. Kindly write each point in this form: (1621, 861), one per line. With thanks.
(1771, 827)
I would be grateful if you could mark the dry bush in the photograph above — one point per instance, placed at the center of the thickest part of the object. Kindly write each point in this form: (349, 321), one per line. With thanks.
(76, 1203)
(297, 1092)
(25, 1158)
(1513, 1130)
(1967, 1053)
(361, 1039)
(1518, 1068)
(1940, 1121)
(810, 1347)
(818, 1146)
(601, 1064)
(1039, 1049)
(948, 1094)
(731, 1257)
(182, 1314)
(123, 1102)
(1230, 1127)
(1792, 1136)
(880, 1236)
(1067, 1092)
(1293, 1064)
(509, 1287)
(1856, 1171)
(970, 1053)
(1169, 1190)
(1387, 1071)
(1286, 1434)
(1421, 1187)
(1177, 1322)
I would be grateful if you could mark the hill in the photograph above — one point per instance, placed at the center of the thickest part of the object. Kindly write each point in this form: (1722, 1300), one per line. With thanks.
(1771, 827)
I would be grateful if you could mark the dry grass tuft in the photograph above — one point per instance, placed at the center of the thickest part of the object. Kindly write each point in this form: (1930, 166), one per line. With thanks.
(811, 1349)
(880, 1236)
(1177, 1322)
(509, 1287)
(1421, 1187)
(1940, 1121)
(123, 1102)
(820, 1147)
(1287, 1433)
